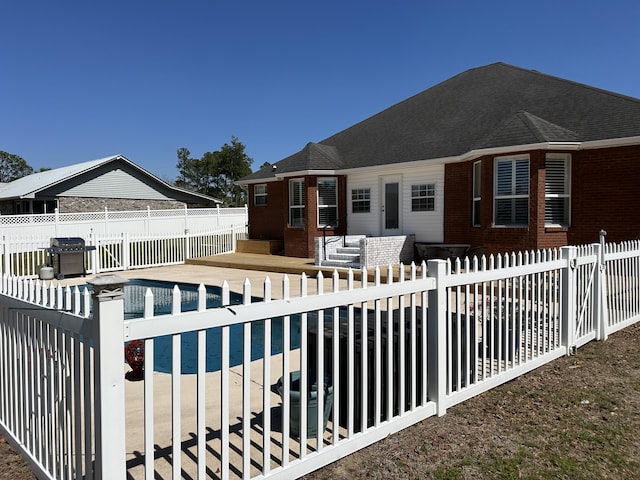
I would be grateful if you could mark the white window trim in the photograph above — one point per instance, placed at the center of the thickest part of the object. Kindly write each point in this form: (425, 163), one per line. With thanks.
(262, 194)
(477, 196)
(496, 197)
(301, 206)
(566, 157)
(426, 196)
(365, 191)
(320, 206)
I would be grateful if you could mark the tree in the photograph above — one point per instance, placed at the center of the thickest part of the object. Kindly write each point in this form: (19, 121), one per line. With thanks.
(215, 173)
(13, 167)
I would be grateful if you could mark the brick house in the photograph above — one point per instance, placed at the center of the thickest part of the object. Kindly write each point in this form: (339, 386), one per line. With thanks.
(497, 156)
(113, 182)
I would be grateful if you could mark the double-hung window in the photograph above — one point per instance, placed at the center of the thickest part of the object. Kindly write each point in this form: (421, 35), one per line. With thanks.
(557, 190)
(423, 198)
(511, 191)
(327, 201)
(361, 200)
(260, 194)
(477, 182)
(296, 202)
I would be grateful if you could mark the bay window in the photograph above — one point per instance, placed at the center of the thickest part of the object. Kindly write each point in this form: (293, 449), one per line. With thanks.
(327, 201)
(477, 198)
(296, 203)
(557, 190)
(511, 191)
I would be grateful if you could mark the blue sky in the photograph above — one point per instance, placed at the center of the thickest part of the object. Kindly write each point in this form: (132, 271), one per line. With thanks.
(83, 80)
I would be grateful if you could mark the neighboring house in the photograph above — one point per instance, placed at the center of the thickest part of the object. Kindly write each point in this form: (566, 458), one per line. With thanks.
(498, 156)
(113, 182)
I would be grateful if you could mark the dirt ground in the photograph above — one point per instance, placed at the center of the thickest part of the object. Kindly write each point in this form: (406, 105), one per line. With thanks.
(578, 417)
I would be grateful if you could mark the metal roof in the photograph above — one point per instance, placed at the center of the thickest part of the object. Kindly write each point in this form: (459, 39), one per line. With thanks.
(29, 186)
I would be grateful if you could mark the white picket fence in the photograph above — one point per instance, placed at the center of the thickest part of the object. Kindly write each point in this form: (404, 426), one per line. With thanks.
(407, 350)
(108, 222)
(24, 255)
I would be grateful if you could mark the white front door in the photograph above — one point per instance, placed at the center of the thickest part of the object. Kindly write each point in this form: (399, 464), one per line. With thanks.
(390, 205)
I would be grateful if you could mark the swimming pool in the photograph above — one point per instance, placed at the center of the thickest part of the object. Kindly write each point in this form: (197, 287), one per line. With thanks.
(135, 291)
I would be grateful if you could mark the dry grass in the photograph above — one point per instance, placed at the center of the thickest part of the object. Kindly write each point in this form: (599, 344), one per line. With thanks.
(578, 417)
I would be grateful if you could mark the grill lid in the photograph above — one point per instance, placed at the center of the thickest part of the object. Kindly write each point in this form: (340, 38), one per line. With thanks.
(67, 242)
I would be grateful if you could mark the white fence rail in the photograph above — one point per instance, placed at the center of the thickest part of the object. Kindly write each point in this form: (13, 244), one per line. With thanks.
(406, 350)
(131, 221)
(23, 256)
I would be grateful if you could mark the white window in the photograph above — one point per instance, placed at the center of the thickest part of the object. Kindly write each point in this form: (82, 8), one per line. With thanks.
(423, 198)
(511, 191)
(557, 190)
(327, 201)
(260, 194)
(477, 181)
(361, 200)
(296, 203)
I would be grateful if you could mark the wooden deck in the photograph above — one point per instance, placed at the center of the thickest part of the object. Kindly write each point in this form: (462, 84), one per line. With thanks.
(282, 264)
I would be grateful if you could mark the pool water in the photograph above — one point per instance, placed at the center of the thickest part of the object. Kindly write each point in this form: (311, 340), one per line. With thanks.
(162, 291)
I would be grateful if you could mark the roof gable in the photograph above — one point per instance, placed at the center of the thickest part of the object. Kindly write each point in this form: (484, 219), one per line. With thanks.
(523, 128)
(87, 178)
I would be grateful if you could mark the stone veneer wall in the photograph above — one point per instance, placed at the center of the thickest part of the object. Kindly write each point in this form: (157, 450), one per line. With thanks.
(386, 250)
(83, 204)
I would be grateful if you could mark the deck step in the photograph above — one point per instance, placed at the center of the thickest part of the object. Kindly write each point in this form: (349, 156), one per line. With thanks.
(350, 257)
(340, 263)
(349, 250)
(343, 257)
(265, 247)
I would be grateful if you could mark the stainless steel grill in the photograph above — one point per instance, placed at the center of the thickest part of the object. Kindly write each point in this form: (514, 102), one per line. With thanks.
(66, 256)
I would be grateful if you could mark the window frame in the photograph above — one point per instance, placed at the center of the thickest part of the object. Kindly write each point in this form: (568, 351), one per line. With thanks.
(361, 197)
(327, 206)
(476, 193)
(300, 220)
(514, 194)
(427, 194)
(565, 158)
(260, 195)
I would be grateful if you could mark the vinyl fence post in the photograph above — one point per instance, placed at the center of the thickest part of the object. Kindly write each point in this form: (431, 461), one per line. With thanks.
(93, 254)
(5, 256)
(436, 335)
(234, 242)
(601, 292)
(568, 284)
(126, 248)
(187, 244)
(56, 216)
(108, 337)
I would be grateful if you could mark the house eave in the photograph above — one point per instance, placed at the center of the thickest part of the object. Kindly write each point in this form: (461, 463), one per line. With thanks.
(473, 154)
(281, 176)
(465, 157)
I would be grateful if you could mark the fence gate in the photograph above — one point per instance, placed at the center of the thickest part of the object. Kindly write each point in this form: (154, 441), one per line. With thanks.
(586, 267)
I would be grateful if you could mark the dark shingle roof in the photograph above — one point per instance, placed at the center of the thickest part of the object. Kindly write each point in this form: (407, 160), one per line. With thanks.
(524, 128)
(492, 106)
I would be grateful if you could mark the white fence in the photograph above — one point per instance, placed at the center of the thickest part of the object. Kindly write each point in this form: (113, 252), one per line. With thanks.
(133, 222)
(23, 256)
(407, 350)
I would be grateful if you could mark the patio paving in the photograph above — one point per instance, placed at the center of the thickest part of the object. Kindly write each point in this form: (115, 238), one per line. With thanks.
(236, 278)
(236, 269)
